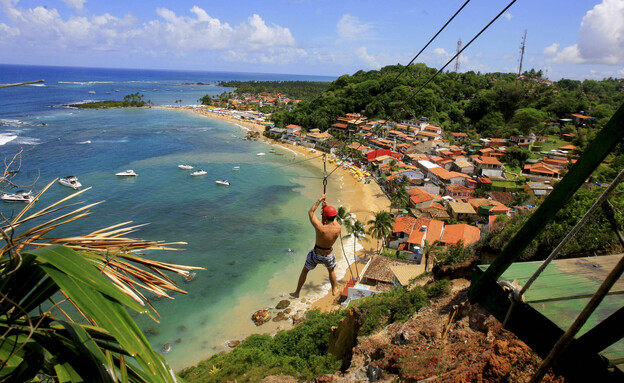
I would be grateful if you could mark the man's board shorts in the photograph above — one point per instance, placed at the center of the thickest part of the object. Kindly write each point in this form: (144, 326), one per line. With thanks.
(314, 259)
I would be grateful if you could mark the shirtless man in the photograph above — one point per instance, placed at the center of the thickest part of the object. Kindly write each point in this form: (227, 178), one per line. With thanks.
(327, 232)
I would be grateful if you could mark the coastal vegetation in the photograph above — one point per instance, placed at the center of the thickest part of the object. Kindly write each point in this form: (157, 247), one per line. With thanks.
(133, 100)
(66, 301)
(303, 352)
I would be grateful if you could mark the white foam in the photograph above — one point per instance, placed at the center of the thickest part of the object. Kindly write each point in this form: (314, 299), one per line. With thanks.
(4, 138)
(28, 141)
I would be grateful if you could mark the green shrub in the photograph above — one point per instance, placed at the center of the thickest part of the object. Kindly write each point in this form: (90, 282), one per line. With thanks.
(396, 305)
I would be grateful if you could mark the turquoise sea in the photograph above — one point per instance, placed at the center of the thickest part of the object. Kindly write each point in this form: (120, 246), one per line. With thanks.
(240, 234)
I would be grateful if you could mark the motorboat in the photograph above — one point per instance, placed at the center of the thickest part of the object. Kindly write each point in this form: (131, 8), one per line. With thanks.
(185, 167)
(17, 197)
(127, 173)
(261, 154)
(223, 182)
(199, 172)
(236, 168)
(272, 151)
(70, 181)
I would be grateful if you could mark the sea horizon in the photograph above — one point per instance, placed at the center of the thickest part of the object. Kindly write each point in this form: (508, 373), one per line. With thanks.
(241, 234)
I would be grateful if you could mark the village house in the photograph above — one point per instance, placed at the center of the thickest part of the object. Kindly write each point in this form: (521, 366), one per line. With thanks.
(463, 166)
(427, 136)
(315, 136)
(377, 273)
(460, 136)
(420, 198)
(403, 274)
(488, 166)
(460, 232)
(461, 211)
(538, 190)
(458, 191)
(435, 211)
(540, 170)
(522, 141)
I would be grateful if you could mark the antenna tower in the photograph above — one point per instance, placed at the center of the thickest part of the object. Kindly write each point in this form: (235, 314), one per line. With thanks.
(459, 45)
(522, 45)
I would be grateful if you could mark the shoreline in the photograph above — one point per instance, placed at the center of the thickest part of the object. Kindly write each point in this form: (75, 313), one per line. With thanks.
(362, 200)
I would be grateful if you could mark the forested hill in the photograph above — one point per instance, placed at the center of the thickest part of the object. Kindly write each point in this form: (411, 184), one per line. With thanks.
(492, 104)
(294, 89)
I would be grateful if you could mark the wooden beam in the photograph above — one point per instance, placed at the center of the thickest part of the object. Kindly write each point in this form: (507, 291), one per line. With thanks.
(606, 140)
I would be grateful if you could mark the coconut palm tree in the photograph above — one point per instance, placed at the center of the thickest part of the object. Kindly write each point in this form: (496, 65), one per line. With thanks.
(401, 198)
(64, 301)
(380, 227)
(343, 217)
(356, 228)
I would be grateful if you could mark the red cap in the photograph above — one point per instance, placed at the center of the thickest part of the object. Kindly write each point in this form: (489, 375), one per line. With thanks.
(329, 211)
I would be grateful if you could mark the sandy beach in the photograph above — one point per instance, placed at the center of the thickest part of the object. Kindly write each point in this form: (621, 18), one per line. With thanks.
(361, 199)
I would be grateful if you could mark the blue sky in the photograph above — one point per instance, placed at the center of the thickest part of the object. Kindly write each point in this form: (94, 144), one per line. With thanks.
(575, 39)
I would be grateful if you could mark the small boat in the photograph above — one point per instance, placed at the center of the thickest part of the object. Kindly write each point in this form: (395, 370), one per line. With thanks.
(199, 172)
(185, 167)
(236, 168)
(261, 154)
(127, 173)
(92, 91)
(223, 182)
(70, 181)
(17, 197)
(272, 151)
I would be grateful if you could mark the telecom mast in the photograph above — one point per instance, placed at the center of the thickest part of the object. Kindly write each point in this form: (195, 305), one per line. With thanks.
(522, 52)
(459, 45)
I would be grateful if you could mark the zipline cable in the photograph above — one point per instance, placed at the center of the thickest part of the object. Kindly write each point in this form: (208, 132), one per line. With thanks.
(418, 54)
(455, 56)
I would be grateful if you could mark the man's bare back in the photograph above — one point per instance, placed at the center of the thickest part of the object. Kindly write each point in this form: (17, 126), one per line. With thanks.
(327, 232)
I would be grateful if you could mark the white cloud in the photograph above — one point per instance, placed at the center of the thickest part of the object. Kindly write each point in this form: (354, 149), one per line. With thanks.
(508, 16)
(369, 60)
(168, 34)
(551, 50)
(441, 53)
(351, 28)
(78, 4)
(601, 37)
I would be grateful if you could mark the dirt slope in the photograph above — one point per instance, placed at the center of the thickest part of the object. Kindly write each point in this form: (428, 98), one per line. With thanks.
(448, 341)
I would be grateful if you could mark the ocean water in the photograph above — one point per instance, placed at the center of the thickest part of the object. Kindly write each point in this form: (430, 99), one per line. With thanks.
(240, 234)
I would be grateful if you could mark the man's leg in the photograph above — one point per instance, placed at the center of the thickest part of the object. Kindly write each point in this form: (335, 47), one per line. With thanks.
(302, 279)
(332, 280)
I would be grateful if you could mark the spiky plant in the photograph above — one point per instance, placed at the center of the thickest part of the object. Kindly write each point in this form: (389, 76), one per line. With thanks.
(101, 275)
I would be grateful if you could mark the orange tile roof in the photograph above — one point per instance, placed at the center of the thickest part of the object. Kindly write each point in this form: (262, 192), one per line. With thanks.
(567, 147)
(404, 224)
(466, 233)
(427, 134)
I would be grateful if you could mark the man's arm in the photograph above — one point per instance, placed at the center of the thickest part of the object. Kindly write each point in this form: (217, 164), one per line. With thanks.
(311, 213)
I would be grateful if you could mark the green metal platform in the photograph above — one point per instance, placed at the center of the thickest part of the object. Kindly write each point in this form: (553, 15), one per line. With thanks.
(557, 297)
